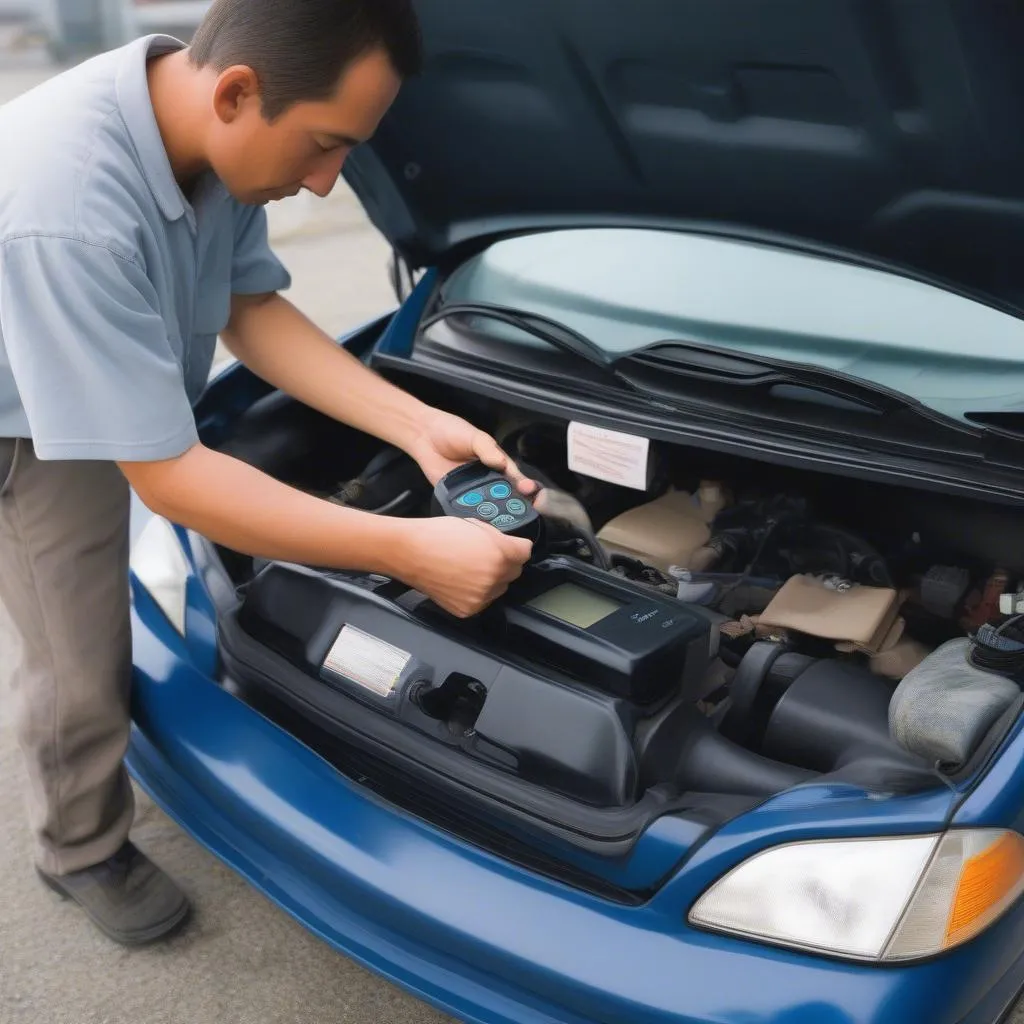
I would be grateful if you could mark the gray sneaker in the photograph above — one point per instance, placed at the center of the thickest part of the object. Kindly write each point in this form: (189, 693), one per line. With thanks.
(127, 897)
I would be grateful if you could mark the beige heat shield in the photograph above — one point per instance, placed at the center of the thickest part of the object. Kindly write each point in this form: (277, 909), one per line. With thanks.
(858, 619)
(663, 533)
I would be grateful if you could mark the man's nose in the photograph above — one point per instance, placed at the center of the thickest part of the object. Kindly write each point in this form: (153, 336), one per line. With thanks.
(322, 181)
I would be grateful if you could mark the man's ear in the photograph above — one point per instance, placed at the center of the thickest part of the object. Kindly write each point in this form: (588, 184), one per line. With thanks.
(237, 88)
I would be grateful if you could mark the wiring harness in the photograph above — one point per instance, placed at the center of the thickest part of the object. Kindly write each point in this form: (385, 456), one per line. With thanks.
(1000, 649)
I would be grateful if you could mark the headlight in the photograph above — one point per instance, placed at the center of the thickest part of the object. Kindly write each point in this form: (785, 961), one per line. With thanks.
(870, 899)
(160, 565)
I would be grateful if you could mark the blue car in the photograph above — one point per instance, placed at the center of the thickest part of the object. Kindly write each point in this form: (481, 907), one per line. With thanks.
(739, 284)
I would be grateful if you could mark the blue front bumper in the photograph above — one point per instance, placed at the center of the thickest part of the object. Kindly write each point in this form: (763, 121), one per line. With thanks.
(478, 937)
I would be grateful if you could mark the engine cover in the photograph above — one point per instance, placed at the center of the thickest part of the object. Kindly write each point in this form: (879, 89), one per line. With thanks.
(483, 685)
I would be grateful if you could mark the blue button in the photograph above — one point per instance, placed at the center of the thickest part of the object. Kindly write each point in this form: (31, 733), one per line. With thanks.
(502, 521)
(472, 499)
(516, 506)
(501, 491)
(488, 510)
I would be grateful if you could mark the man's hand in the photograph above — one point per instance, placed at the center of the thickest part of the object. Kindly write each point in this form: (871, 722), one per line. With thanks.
(462, 565)
(445, 442)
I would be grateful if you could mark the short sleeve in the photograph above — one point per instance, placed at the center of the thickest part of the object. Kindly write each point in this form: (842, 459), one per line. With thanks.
(255, 268)
(90, 353)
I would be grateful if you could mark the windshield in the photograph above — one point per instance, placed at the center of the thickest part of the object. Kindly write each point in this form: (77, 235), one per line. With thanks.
(626, 289)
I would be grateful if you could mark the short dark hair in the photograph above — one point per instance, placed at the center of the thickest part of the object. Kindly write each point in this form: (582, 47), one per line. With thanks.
(299, 49)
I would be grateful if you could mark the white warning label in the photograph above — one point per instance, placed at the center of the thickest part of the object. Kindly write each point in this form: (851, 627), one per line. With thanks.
(366, 661)
(609, 455)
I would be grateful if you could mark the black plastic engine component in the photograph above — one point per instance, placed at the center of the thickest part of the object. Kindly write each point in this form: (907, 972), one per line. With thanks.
(778, 537)
(362, 639)
(1000, 649)
(746, 686)
(682, 745)
(623, 639)
(828, 710)
(815, 713)
(391, 484)
(496, 701)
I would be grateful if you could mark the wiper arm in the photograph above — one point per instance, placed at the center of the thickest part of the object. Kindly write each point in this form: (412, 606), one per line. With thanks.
(777, 378)
(556, 334)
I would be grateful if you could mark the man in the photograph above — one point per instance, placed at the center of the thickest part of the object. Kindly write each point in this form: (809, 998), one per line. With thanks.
(132, 234)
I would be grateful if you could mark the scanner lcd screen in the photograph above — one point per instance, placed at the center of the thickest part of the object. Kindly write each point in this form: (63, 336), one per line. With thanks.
(575, 605)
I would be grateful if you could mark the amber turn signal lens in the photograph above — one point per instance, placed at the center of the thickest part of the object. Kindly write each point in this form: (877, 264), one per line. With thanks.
(973, 878)
(989, 881)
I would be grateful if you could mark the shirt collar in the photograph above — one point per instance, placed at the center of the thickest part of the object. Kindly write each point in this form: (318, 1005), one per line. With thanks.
(137, 110)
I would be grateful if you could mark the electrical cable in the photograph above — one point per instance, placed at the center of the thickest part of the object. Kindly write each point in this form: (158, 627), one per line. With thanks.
(1000, 649)
(770, 528)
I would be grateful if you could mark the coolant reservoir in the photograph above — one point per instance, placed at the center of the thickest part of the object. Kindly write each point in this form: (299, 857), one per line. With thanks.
(663, 533)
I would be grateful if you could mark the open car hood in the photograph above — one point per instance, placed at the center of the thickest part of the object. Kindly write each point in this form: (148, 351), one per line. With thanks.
(886, 129)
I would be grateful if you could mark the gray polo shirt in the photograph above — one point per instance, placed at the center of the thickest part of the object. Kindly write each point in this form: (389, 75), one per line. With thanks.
(113, 286)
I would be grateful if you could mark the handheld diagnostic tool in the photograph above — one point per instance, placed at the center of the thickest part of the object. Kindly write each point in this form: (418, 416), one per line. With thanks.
(475, 491)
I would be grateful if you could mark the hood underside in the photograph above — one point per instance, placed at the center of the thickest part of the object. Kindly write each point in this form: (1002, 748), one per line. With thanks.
(886, 129)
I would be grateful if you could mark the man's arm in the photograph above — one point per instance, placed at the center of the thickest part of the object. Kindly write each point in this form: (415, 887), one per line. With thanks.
(280, 345)
(99, 380)
(464, 566)
(283, 347)
(238, 506)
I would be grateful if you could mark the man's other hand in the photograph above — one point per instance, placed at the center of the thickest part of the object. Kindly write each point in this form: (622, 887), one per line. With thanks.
(446, 442)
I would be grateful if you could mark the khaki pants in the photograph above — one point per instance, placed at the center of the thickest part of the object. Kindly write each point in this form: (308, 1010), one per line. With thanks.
(64, 580)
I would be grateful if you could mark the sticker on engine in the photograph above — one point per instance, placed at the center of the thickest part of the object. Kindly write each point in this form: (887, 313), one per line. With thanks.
(366, 661)
(609, 455)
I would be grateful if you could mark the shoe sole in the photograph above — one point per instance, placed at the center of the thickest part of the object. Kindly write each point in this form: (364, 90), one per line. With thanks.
(164, 930)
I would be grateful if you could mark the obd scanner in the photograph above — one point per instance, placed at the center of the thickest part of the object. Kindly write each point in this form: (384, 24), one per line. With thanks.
(475, 491)
(627, 641)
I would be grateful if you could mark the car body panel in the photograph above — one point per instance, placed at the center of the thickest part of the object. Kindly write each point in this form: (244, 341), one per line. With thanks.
(995, 800)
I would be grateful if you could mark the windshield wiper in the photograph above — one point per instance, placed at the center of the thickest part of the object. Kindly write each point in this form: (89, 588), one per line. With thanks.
(676, 374)
(786, 394)
(773, 378)
(555, 334)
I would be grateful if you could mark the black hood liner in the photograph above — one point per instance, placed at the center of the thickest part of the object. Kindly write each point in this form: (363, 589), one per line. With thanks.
(885, 129)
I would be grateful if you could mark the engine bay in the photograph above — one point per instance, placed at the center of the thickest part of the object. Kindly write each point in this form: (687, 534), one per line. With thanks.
(884, 596)
(798, 628)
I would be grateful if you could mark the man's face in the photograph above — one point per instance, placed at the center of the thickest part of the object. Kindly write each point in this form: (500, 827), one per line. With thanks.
(306, 146)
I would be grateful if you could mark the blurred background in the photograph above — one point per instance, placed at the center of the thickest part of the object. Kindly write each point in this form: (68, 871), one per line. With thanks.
(73, 28)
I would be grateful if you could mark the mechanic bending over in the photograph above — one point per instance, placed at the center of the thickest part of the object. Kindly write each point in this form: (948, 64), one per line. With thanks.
(132, 232)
